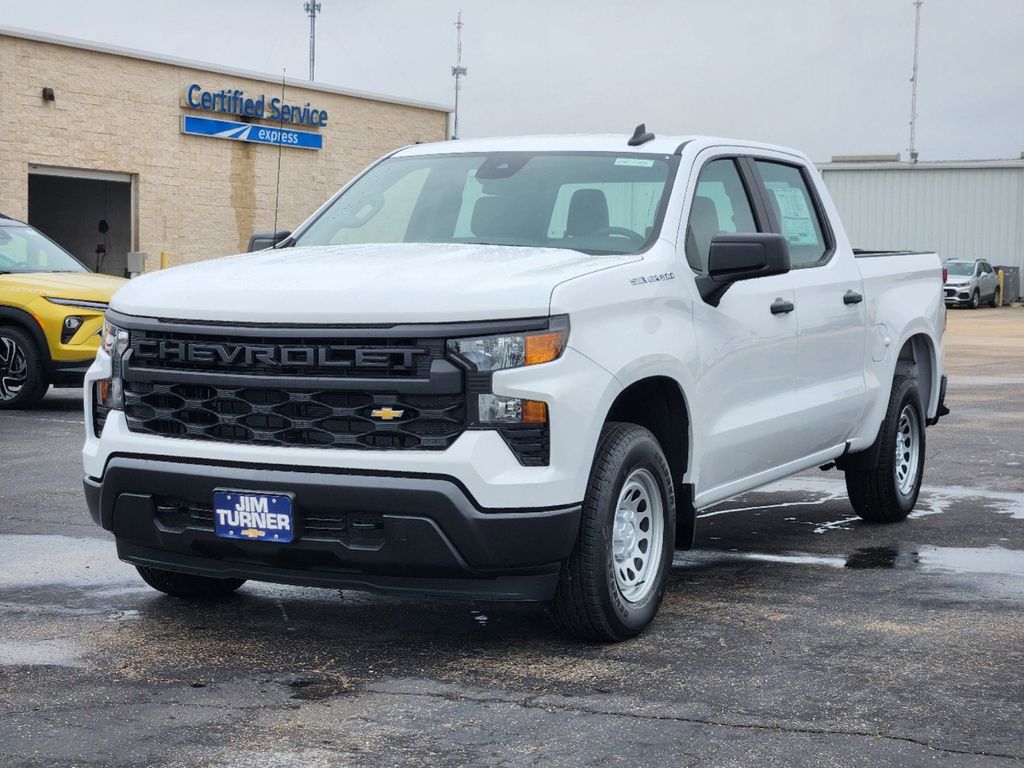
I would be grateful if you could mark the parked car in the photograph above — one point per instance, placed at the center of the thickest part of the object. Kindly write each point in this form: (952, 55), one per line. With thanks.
(51, 315)
(511, 369)
(969, 283)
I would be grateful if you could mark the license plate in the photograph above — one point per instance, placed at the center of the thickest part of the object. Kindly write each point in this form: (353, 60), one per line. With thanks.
(253, 516)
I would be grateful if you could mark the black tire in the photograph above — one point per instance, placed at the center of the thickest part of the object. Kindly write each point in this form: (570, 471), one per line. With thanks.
(975, 299)
(875, 494)
(23, 380)
(186, 585)
(588, 602)
(994, 302)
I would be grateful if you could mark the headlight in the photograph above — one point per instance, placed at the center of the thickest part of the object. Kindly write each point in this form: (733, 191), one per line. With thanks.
(523, 424)
(115, 340)
(497, 353)
(109, 393)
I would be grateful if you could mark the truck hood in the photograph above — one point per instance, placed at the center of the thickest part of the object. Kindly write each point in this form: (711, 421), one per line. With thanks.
(84, 286)
(383, 283)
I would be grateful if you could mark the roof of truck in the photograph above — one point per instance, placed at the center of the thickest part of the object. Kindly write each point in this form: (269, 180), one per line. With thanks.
(660, 145)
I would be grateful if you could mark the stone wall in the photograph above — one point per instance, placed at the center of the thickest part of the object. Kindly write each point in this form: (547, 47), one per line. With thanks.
(196, 197)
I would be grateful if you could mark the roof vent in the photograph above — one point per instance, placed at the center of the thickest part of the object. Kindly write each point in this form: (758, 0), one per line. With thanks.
(640, 136)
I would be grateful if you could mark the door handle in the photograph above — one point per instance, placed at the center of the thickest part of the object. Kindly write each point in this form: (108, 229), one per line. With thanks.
(782, 307)
(852, 297)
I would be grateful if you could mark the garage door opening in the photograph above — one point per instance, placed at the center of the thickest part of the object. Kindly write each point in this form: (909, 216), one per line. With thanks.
(89, 213)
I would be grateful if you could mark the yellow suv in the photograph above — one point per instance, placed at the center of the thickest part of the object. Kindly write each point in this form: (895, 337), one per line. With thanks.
(51, 314)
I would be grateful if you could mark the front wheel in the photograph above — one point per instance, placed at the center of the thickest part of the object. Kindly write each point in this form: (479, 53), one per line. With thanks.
(22, 372)
(186, 585)
(975, 299)
(888, 492)
(613, 582)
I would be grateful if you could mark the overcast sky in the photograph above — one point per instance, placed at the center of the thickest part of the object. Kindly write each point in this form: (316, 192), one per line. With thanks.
(828, 76)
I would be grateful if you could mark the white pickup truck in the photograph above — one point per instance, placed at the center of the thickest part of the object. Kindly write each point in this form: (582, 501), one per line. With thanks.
(511, 369)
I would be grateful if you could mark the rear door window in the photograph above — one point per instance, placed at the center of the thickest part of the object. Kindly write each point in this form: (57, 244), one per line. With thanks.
(795, 209)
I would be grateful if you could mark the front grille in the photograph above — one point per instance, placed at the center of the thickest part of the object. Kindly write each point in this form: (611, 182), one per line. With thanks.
(299, 417)
(951, 291)
(301, 355)
(307, 387)
(174, 514)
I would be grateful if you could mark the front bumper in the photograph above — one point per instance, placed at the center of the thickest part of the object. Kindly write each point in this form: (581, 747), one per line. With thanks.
(957, 295)
(395, 533)
(577, 390)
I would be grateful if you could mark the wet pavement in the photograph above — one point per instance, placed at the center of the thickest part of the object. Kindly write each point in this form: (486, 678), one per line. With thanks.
(793, 635)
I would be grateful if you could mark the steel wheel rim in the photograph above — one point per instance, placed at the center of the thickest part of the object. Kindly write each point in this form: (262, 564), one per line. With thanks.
(638, 531)
(13, 368)
(908, 448)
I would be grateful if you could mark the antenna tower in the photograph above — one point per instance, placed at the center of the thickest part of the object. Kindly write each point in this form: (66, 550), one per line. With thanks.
(312, 9)
(458, 72)
(912, 149)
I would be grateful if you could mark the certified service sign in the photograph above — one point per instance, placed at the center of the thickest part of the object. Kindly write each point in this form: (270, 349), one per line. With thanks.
(260, 134)
(286, 121)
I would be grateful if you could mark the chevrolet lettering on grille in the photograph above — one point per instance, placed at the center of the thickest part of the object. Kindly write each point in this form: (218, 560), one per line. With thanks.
(275, 355)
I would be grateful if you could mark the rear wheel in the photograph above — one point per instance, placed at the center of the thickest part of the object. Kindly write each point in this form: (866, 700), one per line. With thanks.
(888, 492)
(22, 371)
(186, 585)
(613, 582)
(995, 298)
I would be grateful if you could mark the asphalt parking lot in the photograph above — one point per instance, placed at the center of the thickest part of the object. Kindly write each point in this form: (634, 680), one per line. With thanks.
(792, 635)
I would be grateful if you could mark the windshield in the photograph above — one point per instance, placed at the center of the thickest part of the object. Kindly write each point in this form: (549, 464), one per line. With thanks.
(960, 267)
(592, 202)
(23, 249)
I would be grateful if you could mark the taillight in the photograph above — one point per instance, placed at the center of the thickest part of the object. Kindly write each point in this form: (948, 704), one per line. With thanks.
(945, 275)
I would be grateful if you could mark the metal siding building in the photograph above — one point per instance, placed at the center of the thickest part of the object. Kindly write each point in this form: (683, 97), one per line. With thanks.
(963, 210)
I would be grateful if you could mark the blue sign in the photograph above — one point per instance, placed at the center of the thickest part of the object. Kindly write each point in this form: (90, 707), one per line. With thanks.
(259, 134)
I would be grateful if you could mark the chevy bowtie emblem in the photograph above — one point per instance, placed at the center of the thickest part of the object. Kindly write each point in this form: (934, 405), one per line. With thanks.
(253, 533)
(387, 413)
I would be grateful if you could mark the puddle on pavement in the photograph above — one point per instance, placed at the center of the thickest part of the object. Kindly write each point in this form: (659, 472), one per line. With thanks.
(701, 557)
(984, 560)
(809, 492)
(56, 652)
(41, 560)
(990, 561)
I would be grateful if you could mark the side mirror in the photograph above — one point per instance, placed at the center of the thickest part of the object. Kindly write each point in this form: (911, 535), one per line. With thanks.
(742, 256)
(260, 241)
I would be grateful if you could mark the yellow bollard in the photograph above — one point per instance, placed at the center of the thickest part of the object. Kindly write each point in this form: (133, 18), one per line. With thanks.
(1002, 293)
(165, 257)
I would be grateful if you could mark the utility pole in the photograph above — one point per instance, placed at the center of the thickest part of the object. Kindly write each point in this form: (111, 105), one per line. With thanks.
(312, 9)
(458, 72)
(912, 149)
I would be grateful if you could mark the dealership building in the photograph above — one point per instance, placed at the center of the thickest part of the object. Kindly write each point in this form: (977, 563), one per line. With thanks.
(177, 157)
